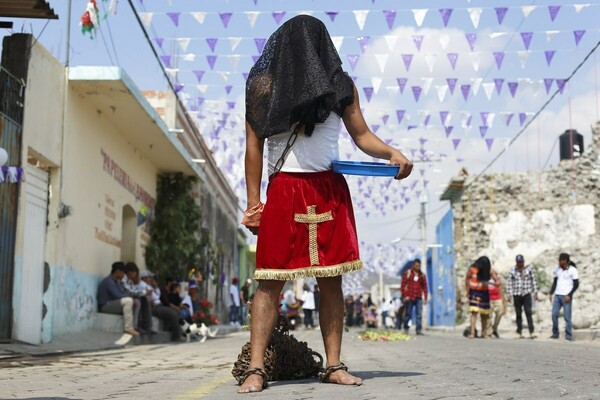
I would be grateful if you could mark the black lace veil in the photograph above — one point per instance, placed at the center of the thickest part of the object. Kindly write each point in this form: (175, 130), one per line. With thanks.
(298, 78)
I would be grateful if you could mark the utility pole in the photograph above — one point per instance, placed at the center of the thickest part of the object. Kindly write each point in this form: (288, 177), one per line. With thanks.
(423, 224)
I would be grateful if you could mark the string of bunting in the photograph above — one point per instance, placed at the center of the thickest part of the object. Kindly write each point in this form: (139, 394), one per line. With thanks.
(11, 174)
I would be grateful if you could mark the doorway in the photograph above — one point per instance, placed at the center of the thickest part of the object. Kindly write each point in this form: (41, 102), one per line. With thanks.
(128, 234)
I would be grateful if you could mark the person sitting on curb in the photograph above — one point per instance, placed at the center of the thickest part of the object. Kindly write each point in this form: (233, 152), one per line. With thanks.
(113, 299)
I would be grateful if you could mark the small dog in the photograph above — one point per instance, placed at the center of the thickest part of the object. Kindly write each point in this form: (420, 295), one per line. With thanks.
(202, 331)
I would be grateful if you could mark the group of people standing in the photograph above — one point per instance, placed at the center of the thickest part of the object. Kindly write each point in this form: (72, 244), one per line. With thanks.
(487, 299)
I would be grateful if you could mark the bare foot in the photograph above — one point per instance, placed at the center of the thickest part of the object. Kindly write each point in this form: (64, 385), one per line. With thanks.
(253, 383)
(342, 377)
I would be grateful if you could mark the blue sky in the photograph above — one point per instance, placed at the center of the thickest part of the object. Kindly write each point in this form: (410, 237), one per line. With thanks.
(463, 129)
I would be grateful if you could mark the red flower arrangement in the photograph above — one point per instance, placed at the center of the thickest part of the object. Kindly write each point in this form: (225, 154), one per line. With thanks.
(203, 315)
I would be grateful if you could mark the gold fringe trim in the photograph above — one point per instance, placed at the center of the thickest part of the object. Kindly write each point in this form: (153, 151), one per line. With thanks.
(479, 310)
(315, 272)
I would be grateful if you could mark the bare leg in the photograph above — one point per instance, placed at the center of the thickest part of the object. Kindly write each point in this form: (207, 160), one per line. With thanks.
(473, 322)
(484, 321)
(264, 318)
(331, 318)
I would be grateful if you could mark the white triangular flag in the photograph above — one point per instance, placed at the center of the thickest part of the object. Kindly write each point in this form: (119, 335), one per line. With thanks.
(475, 60)
(535, 86)
(146, 18)
(422, 115)
(199, 16)
(393, 90)
(490, 119)
(475, 85)
(224, 76)
(172, 72)
(189, 57)
(419, 15)
(337, 42)
(234, 61)
(523, 57)
(475, 14)
(441, 92)
(376, 82)
(391, 41)
(495, 35)
(183, 43)
(444, 40)
(550, 35)
(252, 17)
(430, 61)
(426, 85)
(361, 18)
(488, 88)
(234, 41)
(382, 61)
(524, 83)
(202, 88)
(579, 7)
(306, 12)
(527, 10)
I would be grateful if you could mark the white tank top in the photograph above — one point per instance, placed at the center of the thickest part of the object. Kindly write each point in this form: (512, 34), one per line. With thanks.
(309, 153)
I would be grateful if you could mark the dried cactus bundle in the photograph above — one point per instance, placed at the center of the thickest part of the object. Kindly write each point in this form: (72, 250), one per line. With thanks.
(286, 358)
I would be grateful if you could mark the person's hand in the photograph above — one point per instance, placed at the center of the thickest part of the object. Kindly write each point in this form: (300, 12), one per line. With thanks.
(550, 298)
(567, 299)
(536, 297)
(424, 302)
(406, 299)
(405, 165)
(148, 292)
(509, 299)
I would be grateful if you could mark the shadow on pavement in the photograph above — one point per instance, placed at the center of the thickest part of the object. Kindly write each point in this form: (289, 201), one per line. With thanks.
(385, 374)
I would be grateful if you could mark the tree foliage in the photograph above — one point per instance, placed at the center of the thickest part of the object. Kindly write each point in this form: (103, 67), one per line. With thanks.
(175, 242)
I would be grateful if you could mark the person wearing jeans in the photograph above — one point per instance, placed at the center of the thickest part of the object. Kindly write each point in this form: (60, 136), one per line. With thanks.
(566, 282)
(522, 286)
(414, 293)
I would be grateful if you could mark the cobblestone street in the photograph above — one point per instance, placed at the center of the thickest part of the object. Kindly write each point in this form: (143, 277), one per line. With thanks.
(435, 366)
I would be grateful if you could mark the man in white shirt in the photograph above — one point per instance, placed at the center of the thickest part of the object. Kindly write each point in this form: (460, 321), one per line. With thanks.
(566, 282)
(308, 306)
(234, 302)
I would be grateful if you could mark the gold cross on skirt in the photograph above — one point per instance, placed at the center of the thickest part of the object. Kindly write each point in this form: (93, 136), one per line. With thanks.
(312, 219)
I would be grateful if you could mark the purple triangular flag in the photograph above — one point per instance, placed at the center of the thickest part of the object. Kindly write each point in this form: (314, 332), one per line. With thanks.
(211, 61)
(512, 87)
(561, 84)
(353, 59)
(451, 84)
(407, 58)
(245, 75)
(255, 59)
(212, 42)
(483, 130)
(402, 84)
(548, 83)
(363, 41)
(471, 39)
(501, 13)
(260, 44)
(199, 75)
(445, 13)
(484, 117)
(225, 18)
(553, 10)
(174, 17)
(400, 115)
(489, 142)
(499, 57)
(278, 16)
(368, 93)
(416, 92)
(374, 128)
(228, 89)
(549, 56)
(498, 82)
(230, 105)
(452, 57)
(448, 130)
(469, 120)
(578, 35)
(178, 87)
(509, 118)
(332, 15)
(526, 36)
(465, 89)
(455, 143)
(522, 118)
(444, 116)
(418, 40)
(166, 60)
(200, 101)
(426, 121)
(159, 41)
(385, 118)
(390, 17)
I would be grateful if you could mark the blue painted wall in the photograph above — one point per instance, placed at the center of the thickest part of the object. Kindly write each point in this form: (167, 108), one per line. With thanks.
(442, 275)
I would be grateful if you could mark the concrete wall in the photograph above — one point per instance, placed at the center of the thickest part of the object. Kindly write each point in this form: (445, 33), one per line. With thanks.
(539, 216)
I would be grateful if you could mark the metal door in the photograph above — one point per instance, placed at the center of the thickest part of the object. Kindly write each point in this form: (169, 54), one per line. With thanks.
(28, 327)
(442, 285)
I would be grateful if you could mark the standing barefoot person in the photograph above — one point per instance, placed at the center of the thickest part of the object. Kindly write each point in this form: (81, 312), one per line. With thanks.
(296, 95)
(479, 297)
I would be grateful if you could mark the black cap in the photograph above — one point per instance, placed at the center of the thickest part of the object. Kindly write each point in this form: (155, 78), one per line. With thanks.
(520, 258)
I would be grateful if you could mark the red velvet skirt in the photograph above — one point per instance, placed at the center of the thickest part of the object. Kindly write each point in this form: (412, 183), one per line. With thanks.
(307, 228)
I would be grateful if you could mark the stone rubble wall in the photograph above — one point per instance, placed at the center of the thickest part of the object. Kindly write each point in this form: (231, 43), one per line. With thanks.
(539, 215)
